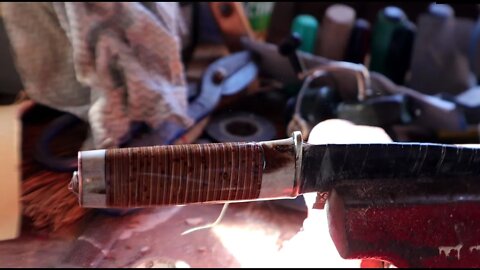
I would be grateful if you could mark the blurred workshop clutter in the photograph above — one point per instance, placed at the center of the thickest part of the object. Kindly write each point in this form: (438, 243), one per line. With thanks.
(102, 75)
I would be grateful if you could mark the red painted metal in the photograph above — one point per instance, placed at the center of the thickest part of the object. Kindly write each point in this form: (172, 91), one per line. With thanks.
(408, 235)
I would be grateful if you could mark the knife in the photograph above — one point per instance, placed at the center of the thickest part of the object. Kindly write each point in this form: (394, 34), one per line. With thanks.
(235, 172)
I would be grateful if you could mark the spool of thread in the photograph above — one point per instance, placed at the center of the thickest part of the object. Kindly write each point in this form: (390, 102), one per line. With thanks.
(359, 43)
(438, 64)
(388, 20)
(240, 127)
(337, 25)
(306, 26)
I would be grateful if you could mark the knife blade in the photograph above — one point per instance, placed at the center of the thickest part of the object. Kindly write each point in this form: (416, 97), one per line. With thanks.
(235, 172)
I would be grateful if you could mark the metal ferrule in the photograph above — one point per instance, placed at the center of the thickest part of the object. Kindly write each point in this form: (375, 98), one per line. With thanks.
(283, 161)
(89, 181)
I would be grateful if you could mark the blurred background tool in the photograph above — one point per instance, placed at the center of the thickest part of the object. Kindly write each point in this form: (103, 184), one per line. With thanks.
(359, 42)
(469, 102)
(336, 27)
(428, 112)
(289, 49)
(439, 64)
(306, 27)
(388, 21)
(399, 53)
(473, 50)
(233, 23)
(259, 15)
(208, 30)
(383, 111)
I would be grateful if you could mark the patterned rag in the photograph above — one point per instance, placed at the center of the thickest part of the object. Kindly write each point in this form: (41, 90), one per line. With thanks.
(110, 64)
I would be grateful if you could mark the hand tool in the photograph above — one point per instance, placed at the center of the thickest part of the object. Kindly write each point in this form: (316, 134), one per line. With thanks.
(428, 111)
(382, 111)
(359, 42)
(289, 48)
(316, 101)
(233, 23)
(369, 187)
(439, 64)
(191, 10)
(337, 25)
(354, 83)
(392, 44)
(306, 26)
(400, 52)
(389, 20)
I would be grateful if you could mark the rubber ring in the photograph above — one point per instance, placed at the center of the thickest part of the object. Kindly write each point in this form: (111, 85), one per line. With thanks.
(240, 127)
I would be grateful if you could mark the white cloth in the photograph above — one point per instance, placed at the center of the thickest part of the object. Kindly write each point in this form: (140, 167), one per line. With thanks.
(108, 63)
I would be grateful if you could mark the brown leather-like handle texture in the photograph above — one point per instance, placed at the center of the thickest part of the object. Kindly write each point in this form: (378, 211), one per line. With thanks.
(182, 174)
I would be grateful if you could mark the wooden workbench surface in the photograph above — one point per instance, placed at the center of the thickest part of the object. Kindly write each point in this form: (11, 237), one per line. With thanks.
(251, 234)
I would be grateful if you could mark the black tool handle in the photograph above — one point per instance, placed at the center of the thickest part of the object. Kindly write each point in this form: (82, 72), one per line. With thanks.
(289, 48)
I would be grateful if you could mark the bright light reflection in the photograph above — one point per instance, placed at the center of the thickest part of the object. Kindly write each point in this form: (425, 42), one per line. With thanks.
(258, 246)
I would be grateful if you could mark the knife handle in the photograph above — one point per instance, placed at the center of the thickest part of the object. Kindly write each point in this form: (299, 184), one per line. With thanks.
(170, 175)
(188, 174)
